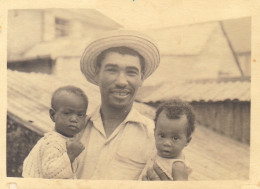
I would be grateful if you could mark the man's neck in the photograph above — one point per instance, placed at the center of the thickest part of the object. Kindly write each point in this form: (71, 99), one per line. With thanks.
(113, 117)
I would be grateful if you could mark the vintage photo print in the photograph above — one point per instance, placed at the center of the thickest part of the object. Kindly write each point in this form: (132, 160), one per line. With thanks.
(93, 97)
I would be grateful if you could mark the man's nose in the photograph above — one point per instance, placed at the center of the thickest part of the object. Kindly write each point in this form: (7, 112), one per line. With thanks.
(121, 80)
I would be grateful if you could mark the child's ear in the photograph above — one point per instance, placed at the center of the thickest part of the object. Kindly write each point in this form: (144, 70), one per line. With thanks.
(52, 114)
(188, 140)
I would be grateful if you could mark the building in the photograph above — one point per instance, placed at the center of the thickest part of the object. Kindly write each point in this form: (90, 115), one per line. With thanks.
(222, 105)
(49, 30)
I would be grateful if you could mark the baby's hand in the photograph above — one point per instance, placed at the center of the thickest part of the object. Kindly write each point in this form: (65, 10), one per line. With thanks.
(74, 148)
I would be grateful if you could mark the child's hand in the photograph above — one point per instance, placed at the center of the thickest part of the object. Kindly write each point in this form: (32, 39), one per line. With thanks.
(74, 148)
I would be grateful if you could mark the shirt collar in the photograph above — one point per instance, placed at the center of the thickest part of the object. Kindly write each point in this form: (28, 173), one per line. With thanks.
(133, 116)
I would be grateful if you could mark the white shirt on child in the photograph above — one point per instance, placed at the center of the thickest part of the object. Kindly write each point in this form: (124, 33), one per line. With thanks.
(165, 165)
(49, 159)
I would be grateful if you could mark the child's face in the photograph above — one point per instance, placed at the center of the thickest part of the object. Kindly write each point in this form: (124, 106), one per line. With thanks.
(171, 135)
(69, 114)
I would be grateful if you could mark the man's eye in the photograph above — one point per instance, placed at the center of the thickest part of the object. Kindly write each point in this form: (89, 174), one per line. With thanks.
(112, 70)
(66, 113)
(132, 73)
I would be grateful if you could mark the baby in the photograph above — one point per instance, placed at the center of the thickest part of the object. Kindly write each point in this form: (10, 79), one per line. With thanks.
(54, 154)
(174, 124)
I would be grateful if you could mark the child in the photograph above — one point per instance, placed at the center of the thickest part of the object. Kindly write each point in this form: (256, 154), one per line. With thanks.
(53, 156)
(174, 124)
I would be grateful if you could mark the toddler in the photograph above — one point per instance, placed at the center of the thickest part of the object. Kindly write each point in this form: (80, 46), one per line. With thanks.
(54, 154)
(174, 124)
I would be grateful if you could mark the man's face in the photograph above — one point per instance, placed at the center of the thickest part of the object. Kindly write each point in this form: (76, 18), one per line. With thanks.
(119, 79)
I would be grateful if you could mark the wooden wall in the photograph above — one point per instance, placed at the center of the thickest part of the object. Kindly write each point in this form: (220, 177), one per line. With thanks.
(230, 118)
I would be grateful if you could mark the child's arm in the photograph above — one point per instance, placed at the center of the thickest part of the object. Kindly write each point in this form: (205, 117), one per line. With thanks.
(179, 171)
(55, 162)
(74, 148)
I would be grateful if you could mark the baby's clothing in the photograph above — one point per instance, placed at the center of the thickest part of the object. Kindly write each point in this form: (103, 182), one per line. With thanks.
(49, 159)
(166, 165)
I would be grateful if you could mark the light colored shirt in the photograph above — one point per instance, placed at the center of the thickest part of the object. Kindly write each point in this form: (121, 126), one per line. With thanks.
(165, 165)
(49, 159)
(121, 156)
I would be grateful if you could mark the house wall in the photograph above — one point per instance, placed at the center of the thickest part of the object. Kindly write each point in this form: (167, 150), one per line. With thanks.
(245, 63)
(230, 118)
(214, 60)
(22, 35)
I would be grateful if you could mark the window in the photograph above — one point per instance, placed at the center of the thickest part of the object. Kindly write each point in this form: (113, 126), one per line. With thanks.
(61, 27)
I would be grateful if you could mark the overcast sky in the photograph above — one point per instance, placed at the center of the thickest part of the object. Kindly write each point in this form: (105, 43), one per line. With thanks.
(142, 15)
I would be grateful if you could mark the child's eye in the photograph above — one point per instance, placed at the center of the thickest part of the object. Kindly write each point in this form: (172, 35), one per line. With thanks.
(175, 137)
(81, 115)
(161, 135)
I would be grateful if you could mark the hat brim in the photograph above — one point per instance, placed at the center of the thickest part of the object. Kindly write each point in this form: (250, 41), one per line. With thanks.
(138, 42)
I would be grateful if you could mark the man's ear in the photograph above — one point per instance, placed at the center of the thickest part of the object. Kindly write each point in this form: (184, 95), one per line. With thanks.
(141, 83)
(97, 78)
(188, 140)
(52, 114)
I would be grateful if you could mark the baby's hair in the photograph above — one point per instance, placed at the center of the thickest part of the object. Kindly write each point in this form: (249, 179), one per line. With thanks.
(174, 109)
(69, 89)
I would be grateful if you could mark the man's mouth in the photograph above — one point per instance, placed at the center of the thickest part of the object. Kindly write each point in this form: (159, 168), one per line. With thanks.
(120, 93)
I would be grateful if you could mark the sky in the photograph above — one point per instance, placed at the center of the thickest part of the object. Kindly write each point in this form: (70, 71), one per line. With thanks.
(142, 15)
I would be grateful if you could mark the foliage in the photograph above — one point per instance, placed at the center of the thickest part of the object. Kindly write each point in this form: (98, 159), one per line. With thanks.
(20, 141)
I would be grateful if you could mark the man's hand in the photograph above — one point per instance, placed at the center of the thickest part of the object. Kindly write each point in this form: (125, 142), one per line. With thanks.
(74, 148)
(155, 173)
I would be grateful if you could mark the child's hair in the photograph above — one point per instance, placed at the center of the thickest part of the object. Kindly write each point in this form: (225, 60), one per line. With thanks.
(70, 89)
(176, 108)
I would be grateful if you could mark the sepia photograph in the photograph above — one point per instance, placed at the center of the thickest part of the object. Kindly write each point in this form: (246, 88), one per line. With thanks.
(90, 98)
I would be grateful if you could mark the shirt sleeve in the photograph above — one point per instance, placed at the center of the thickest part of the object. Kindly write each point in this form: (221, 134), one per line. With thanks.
(56, 163)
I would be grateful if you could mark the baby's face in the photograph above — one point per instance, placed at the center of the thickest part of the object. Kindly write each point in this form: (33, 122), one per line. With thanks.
(171, 135)
(70, 114)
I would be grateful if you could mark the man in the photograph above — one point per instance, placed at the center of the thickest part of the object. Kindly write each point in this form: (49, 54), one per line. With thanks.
(118, 139)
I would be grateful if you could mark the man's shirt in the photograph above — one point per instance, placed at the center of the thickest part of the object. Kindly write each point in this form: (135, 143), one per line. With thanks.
(123, 155)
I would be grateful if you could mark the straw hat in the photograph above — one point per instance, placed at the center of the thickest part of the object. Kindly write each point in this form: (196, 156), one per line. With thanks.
(134, 40)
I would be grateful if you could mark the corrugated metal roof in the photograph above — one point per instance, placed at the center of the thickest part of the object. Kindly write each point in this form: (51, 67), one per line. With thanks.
(171, 41)
(60, 47)
(183, 40)
(29, 96)
(199, 91)
(239, 33)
